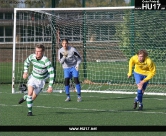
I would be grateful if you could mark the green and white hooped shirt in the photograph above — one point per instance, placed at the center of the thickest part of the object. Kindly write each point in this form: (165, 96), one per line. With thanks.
(42, 69)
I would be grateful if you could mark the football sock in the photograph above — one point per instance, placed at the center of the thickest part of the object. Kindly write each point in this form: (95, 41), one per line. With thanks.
(139, 96)
(25, 97)
(29, 103)
(78, 87)
(136, 99)
(67, 91)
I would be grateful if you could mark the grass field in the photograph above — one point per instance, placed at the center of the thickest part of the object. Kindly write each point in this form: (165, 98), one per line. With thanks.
(95, 110)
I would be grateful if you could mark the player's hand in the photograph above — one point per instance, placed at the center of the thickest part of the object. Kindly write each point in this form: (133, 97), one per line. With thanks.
(25, 75)
(65, 54)
(77, 67)
(140, 85)
(128, 75)
(49, 90)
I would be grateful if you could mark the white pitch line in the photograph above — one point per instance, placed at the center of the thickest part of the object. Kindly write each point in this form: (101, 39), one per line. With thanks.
(88, 109)
(58, 94)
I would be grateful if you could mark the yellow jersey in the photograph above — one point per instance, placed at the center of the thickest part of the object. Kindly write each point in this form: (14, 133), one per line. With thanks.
(146, 68)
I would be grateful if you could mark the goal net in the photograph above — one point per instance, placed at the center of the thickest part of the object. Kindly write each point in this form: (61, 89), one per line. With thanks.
(106, 38)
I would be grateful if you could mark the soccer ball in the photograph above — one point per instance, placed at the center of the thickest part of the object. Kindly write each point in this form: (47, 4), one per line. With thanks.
(23, 88)
(60, 91)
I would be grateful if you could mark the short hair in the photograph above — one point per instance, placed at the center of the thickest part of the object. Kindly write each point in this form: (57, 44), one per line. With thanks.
(65, 40)
(144, 52)
(40, 46)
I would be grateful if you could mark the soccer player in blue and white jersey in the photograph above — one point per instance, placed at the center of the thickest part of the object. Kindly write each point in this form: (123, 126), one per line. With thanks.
(42, 69)
(70, 59)
(144, 70)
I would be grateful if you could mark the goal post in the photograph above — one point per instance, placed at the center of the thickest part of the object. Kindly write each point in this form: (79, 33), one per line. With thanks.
(105, 37)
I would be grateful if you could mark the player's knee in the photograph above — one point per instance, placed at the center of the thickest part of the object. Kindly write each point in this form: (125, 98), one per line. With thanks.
(76, 80)
(67, 81)
(139, 88)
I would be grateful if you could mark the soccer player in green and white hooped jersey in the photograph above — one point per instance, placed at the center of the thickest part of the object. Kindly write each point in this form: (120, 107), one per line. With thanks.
(42, 69)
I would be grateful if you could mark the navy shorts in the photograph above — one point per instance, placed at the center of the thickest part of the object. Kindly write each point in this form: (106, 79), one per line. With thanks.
(140, 77)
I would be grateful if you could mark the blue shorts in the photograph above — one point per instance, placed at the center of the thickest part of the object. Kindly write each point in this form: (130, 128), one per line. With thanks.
(70, 72)
(138, 78)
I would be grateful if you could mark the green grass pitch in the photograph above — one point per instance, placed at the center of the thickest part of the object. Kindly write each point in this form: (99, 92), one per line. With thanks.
(95, 110)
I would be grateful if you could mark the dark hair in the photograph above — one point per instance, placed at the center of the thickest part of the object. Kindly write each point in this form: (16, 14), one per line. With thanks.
(144, 52)
(40, 46)
(65, 40)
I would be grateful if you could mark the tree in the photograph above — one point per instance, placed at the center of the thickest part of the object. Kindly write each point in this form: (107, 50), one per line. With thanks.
(69, 3)
(143, 30)
(8, 4)
(37, 3)
(72, 3)
(105, 3)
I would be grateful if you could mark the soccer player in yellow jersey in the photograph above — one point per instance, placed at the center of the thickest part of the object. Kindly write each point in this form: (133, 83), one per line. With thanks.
(144, 70)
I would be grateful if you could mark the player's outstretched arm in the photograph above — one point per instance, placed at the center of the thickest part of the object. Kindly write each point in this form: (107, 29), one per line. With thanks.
(131, 64)
(50, 70)
(26, 65)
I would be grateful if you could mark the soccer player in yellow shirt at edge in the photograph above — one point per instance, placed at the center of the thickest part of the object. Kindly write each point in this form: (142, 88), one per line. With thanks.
(144, 70)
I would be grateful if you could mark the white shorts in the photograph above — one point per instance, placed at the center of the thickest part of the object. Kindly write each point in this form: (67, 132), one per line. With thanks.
(37, 84)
